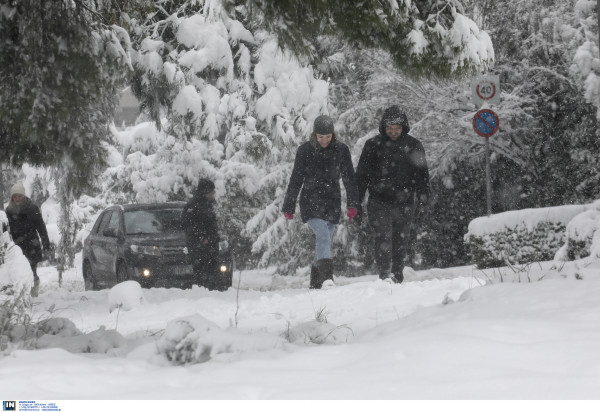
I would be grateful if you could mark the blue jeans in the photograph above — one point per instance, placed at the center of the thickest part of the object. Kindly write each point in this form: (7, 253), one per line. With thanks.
(323, 231)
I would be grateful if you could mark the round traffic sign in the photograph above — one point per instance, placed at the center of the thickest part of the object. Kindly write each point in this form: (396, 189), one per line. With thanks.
(485, 122)
(486, 90)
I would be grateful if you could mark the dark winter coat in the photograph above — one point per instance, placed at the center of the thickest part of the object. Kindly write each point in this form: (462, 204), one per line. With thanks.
(201, 230)
(27, 228)
(317, 172)
(393, 171)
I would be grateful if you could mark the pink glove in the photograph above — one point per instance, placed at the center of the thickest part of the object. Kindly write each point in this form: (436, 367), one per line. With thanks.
(288, 216)
(351, 213)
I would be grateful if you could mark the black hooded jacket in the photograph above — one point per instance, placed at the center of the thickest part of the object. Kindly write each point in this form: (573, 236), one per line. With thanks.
(27, 228)
(393, 171)
(317, 172)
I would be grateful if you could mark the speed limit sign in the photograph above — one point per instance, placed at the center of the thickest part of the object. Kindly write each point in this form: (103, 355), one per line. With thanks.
(486, 89)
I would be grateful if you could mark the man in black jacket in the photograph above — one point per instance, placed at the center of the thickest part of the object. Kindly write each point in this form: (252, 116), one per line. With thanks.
(201, 229)
(393, 168)
(27, 229)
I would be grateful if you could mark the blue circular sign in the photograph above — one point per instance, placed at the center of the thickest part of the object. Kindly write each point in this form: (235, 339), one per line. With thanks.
(485, 123)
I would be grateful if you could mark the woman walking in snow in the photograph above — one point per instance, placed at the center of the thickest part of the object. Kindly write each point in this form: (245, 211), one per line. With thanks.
(318, 166)
(27, 229)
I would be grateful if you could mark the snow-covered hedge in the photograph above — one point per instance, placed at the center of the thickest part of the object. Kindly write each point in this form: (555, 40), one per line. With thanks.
(582, 236)
(519, 236)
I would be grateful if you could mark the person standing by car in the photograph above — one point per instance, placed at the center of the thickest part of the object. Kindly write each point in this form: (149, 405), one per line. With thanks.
(393, 168)
(318, 166)
(27, 229)
(201, 229)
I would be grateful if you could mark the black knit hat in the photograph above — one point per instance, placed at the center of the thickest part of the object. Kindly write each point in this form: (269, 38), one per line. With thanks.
(204, 186)
(323, 125)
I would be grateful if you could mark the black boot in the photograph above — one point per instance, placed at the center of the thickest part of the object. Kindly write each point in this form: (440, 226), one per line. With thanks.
(325, 270)
(314, 278)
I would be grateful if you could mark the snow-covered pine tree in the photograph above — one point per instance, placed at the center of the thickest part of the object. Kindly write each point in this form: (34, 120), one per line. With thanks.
(289, 99)
(225, 104)
(61, 69)
(427, 37)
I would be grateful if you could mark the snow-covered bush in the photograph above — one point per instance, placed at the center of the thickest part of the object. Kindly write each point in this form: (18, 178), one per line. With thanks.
(318, 332)
(126, 295)
(582, 236)
(195, 339)
(519, 236)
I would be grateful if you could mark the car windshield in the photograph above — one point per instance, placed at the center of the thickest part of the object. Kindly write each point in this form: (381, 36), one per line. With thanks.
(139, 222)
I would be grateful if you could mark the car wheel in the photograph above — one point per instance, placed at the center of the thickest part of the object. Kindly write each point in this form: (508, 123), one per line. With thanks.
(89, 281)
(122, 274)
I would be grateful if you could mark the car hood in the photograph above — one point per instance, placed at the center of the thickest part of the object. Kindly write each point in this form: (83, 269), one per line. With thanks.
(155, 239)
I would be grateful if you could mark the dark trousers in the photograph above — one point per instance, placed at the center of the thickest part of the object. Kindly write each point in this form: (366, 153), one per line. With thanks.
(205, 265)
(391, 228)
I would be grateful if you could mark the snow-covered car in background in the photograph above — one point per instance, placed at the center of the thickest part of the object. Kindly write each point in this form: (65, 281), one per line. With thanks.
(145, 243)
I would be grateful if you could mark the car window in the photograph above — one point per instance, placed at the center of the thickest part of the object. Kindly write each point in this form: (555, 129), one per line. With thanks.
(114, 222)
(153, 221)
(104, 219)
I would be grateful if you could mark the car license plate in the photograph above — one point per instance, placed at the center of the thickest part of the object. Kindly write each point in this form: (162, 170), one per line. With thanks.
(183, 270)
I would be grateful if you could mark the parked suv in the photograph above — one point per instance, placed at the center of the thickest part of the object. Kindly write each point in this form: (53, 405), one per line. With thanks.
(145, 243)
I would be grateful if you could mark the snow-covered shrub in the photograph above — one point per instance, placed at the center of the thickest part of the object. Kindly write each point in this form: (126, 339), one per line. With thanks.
(582, 236)
(125, 295)
(62, 333)
(195, 339)
(519, 236)
(318, 331)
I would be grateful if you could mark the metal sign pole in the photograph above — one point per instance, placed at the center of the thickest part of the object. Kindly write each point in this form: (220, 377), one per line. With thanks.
(488, 176)
(485, 124)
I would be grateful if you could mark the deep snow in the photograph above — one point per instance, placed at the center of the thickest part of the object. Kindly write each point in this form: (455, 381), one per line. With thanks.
(439, 335)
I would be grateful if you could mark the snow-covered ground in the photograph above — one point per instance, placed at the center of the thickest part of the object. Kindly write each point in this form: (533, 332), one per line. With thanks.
(531, 332)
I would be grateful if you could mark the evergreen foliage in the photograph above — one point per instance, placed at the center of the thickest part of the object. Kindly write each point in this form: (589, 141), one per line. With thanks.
(425, 38)
(60, 69)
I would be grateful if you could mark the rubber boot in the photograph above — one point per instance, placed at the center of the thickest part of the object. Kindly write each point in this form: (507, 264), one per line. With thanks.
(314, 278)
(325, 269)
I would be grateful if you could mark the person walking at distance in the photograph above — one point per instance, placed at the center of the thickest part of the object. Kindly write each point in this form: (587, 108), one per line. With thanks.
(200, 225)
(318, 166)
(393, 168)
(27, 229)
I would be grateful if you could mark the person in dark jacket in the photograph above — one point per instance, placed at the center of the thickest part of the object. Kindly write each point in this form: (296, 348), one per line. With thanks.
(27, 229)
(393, 168)
(201, 229)
(318, 166)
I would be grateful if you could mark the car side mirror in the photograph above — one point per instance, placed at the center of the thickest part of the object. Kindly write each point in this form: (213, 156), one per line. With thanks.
(109, 232)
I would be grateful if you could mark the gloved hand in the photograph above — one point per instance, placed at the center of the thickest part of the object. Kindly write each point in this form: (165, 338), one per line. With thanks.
(288, 216)
(351, 213)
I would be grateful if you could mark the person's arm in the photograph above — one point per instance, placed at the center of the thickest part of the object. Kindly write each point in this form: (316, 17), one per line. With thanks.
(364, 170)
(40, 226)
(349, 178)
(295, 184)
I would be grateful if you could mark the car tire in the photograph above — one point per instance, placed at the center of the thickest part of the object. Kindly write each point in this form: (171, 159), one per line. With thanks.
(89, 281)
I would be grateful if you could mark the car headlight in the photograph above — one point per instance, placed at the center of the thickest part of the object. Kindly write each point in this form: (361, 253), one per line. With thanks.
(145, 250)
(223, 268)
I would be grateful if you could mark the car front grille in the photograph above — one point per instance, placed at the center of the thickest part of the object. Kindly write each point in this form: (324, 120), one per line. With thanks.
(172, 251)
